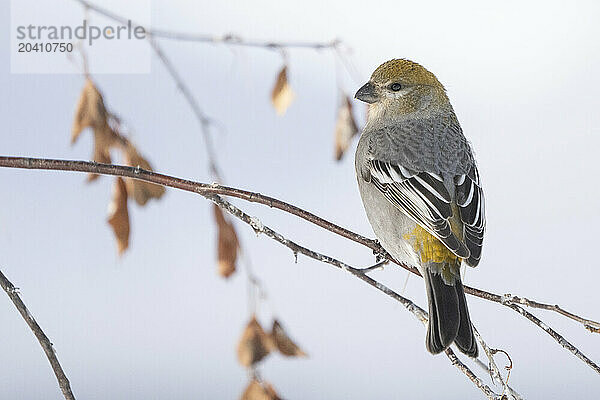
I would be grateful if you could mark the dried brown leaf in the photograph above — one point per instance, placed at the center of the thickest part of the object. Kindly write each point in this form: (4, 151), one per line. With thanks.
(90, 111)
(118, 216)
(104, 140)
(282, 94)
(227, 247)
(254, 391)
(345, 128)
(138, 190)
(284, 344)
(271, 391)
(259, 391)
(254, 345)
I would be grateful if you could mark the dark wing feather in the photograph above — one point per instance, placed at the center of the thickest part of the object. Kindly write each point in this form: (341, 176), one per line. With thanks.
(471, 205)
(422, 196)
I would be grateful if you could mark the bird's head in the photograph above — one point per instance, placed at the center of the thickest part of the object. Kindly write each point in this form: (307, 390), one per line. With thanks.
(401, 86)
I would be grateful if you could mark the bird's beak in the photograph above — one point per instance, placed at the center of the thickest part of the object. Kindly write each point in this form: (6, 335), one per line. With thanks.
(367, 93)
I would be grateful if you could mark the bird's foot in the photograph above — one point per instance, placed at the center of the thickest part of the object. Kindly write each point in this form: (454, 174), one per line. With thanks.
(379, 253)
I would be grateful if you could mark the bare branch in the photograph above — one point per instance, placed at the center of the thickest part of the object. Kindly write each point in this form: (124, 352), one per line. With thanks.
(209, 191)
(555, 335)
(489, 393)
(229, 39)
(492, 367)
(511, 391)
(590, 325)
(204, 121)
(13, 293)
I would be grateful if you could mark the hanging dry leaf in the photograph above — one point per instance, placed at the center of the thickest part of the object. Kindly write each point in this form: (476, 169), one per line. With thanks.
(284, 344)
(254, 344)
(345, 128)
(140, 191)
(271, 391)
(282, 94)
(259, 391)
(118, 216)
(104, 139)
(90, 111)
(255, 391)
(227, 244)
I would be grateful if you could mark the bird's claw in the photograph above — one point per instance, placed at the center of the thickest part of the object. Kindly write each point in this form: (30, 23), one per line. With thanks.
(379, 253)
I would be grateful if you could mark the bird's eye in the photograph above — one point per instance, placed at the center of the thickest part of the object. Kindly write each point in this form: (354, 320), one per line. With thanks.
(396, 87)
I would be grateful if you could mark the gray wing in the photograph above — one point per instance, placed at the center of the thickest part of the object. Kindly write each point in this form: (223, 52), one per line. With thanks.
(409, 162)
(422, 197)
(424, 145)
(471, 205)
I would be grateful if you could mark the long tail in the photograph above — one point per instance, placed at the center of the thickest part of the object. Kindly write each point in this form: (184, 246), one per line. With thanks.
(448, 315)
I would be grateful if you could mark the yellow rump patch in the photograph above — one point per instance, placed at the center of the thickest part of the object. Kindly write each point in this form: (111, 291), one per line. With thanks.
(429, 248)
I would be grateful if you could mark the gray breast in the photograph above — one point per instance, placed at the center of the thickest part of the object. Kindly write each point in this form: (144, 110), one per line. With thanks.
(389, 224)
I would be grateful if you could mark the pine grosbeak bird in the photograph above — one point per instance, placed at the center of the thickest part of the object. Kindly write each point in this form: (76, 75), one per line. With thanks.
(421, 191)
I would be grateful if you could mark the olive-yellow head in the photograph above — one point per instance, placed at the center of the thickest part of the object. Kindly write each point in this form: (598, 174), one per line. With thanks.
(399, 87)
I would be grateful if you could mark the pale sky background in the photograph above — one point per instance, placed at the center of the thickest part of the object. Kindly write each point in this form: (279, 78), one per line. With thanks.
(159, 323)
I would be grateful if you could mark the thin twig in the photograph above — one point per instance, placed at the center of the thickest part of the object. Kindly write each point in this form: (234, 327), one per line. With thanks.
(229, 39)
(489, 393)
(556, 336)
(204, 121)
(508, 367)
(211, 190)
(590, 325)
(13, 293)
(511, 391)
(492, 367)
